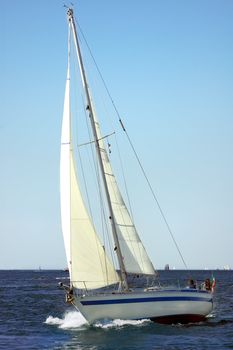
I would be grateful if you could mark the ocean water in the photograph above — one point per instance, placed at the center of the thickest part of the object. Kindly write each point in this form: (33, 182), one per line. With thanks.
(34, 315)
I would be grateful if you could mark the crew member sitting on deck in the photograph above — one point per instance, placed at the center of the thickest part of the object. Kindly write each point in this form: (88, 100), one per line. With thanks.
(191, 284)
(207, 284)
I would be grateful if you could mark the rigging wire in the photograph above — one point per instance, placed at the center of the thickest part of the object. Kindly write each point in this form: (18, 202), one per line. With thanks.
(133, 148)
(93, 164)
(120, 207)
(104, 221)
(124, 179)
(103, 215)
(122, 172)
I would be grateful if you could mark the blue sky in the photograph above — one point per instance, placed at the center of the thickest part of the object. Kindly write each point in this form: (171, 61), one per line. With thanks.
(168, 65)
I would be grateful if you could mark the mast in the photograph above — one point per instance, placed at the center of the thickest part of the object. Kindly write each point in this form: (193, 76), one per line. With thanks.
(91, 115)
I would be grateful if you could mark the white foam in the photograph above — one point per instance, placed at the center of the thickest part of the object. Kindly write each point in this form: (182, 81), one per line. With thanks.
(70, 320)
(120, 323)
(74, 320)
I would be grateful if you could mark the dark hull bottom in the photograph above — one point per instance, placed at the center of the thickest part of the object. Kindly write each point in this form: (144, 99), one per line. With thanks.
(183, 319)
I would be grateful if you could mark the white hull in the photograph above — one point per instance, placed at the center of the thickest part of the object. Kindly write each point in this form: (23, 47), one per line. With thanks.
(165, 306)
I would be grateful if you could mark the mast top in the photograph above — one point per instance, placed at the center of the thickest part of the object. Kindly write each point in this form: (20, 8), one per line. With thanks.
(70, 13)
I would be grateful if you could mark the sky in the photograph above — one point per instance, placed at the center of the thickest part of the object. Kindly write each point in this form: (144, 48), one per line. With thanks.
(169, 67)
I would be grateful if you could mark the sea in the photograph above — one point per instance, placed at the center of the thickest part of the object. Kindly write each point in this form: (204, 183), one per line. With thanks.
(34, 315)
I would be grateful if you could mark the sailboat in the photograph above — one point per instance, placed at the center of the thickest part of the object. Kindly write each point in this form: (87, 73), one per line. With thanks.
(99, 288)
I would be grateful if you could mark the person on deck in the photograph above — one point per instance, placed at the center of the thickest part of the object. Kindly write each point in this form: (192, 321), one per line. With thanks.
(192, 284)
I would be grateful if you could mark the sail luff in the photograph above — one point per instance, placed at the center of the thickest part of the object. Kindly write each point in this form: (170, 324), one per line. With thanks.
(65, 166)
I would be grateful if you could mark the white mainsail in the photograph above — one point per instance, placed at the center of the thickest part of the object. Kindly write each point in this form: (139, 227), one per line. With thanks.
(89, 266)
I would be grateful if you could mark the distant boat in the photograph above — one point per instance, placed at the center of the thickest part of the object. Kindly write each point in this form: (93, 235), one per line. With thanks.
(96, 289)
(39, 269)
(167, 267)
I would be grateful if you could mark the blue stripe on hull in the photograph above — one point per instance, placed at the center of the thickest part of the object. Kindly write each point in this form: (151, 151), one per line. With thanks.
(144, 300)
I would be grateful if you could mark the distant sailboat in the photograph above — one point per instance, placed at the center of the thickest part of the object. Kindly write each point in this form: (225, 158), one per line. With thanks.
(96, 288)
(39, 269)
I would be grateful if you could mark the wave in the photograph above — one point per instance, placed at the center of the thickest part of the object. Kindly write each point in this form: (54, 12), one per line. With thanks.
(70, 320)
(120, 323)
(74, 320)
